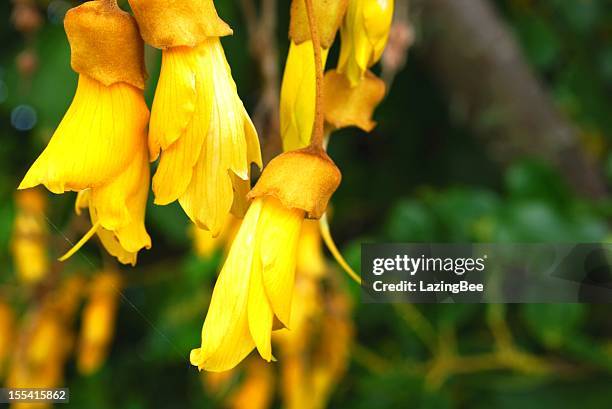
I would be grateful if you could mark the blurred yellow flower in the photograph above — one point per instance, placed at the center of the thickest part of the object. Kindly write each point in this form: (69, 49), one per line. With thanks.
(248, 386)
(98, 321)
(254, 286)
(310, 259)
(45, 341)
(109, 160)
(30, 236)
(314, 353)
(198, 121)
(205, 244)
(363, 36)
(257, 387)
(7, 334)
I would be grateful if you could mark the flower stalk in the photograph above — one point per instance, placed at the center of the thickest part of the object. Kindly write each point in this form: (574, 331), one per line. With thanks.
(317, 131)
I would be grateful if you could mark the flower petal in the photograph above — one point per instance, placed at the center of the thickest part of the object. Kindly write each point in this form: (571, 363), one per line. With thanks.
(297, 106)
(279, 238)
(226, 339)
(95, 140)
(175, 96)
(175, 169)
(260, 313)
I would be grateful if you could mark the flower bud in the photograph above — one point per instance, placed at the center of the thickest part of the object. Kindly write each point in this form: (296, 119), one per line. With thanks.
(174, 23)
(303, 179)
(351, 106)
(328, 13)
(105, 43)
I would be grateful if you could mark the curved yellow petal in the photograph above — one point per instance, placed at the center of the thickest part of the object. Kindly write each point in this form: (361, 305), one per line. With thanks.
(175, 97)
(280, 231)
(133, 236)
(377, 18)
(209, 195)
(208, 198)
(226, 338)
(114, 248)
(122, 237)
(259, 313)
(297, 103)
(252, 141)
(115, 201)
(195, 168)
(229, 114)
(95, 140)
(176, 166)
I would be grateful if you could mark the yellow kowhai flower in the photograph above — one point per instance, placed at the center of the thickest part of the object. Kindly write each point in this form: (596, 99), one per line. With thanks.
(363, 34)
(45, 340)
(99, 148)
(314, 353)
(297, 101)
(7, 322)
(253, 287)
(253, 292)
(29, 238)
(98, 322)
(198, 121)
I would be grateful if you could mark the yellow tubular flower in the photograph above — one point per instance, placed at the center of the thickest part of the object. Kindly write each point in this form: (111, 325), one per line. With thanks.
(255, 285)
(297, 101)
(363, 36)
(98, 323)
(198, 121)
(99, 148)
(29, 238)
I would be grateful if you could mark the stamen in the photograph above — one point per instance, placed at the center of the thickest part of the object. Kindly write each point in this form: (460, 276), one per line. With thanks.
(329, 242)
(81, 242)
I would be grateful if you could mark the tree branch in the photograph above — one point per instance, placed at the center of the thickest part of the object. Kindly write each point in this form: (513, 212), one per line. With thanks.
(495, 92)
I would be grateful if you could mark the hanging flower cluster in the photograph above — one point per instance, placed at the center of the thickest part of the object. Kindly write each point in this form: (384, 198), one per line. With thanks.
(352, 92)
(206, 143)
(199, 123)
(99, 149)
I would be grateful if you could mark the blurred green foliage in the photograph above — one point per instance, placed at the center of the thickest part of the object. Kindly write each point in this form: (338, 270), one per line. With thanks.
(417, 178)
